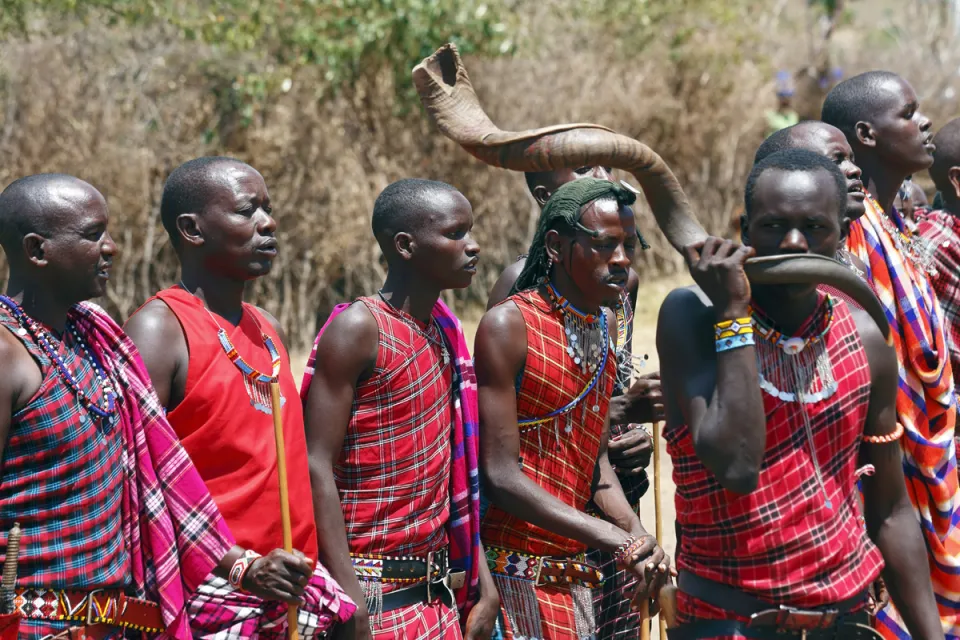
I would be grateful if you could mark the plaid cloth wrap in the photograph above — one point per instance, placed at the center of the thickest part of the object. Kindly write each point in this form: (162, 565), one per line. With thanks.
(564, 468)
(63, 482)
(219, 612)
(781, 543)
(463, 522)
(926, 407)
(170, 527)
(941, 230)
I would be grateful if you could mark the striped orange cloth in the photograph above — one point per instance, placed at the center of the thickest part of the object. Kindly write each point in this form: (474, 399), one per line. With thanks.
(926, 404)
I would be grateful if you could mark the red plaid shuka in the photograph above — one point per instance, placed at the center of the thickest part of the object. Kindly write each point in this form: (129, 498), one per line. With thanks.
(394, 469)
(63, 482)
(781, 543)
(941, 231)
(561, 463)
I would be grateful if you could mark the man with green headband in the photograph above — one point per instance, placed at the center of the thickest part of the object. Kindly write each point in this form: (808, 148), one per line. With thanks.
(545, 373)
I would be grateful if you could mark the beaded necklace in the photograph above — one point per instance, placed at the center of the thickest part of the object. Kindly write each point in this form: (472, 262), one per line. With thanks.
(587, 337)
(46, 342)
(911, 246)
(408, 320)
(800, 363)
(256, 382)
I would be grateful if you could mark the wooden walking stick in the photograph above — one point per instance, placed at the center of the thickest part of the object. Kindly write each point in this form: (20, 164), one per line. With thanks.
(292, 632)
(658, 512)
(8, 586)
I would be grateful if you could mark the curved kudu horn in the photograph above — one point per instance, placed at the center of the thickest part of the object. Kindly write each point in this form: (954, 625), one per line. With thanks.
(447, 95)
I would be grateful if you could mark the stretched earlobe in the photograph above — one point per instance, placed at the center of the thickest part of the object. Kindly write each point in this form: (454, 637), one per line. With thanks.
(189, 228)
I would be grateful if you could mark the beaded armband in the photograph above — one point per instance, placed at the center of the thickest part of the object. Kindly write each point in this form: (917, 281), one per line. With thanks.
(733, 334)
(239, 569)
(884, 439)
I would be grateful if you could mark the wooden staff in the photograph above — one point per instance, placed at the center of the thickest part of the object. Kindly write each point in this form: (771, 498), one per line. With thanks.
(292, 632)
(8, 585)
(658, 512)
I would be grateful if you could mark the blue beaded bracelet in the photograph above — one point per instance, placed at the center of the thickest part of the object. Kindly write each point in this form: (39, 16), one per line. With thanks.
(735, 342)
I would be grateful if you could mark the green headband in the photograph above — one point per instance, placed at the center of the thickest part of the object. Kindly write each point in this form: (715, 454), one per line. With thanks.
(564, 208)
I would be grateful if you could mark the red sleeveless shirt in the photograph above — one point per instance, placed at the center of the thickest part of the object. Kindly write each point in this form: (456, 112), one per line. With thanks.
(781, 543)
(561, 463)
(393, 473)
(228, 432)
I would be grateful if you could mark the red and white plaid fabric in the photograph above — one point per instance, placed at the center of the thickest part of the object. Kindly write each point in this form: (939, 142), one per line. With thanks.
(434, 621)
(393, 473)
(941, 231)
(781, 543)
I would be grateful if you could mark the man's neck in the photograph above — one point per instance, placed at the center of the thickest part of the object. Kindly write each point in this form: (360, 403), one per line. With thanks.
(882, 182)
(223, 296)
(789, 313)
(40, 303)
(566, 288)
(412, 297)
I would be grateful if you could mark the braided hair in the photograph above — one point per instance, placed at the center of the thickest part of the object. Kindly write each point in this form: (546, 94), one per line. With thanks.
(562, 213)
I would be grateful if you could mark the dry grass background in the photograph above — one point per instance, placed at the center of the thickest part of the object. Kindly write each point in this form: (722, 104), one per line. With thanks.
(122, 106)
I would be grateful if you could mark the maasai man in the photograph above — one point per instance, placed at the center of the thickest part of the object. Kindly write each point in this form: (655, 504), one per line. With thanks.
(110, 505)
(940, 230)
(391, 426)
(879, 114)
(774, 395)
(545, 374)
(211, 357)
(630, 445)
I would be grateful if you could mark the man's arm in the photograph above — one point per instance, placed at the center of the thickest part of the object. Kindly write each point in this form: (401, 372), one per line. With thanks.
(891, 520)
(716, 393)
(499, 355)
(20, 381)
(346, 354)
(504, 284)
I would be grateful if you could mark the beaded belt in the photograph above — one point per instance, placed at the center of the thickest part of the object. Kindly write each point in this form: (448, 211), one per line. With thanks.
(406, 570)
(100, 606)
(543, 570)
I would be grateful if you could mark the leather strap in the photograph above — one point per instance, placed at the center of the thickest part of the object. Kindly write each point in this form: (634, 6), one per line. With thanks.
(400, 569)
(745, 605)
(543, 570)
(111, 608)
(437, 590)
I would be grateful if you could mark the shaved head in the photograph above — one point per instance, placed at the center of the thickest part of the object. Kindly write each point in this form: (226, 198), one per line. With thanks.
(40, 204)
(794, 137)
(406, 205)
(861, 98)
(946, 157)
(190, 187)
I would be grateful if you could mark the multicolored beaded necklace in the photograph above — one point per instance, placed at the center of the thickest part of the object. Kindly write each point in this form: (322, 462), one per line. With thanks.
(587, 337)
(912, 247)
(46, 342)
(800, 363)
(256, 382)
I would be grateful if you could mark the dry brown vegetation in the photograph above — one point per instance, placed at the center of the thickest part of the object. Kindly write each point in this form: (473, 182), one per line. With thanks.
(121, 107)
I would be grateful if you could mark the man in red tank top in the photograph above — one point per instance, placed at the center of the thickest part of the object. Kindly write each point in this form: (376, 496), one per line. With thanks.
(212, 357)
(109, 504)
(545, 373)
(775, 396)
(381, 407)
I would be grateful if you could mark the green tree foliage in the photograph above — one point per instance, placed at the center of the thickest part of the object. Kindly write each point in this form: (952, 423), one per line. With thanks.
(344, 38)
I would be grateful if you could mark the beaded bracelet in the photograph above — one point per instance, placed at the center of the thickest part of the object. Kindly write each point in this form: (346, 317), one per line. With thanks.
(239, 569)
(884, 439)
(624, 553)
(733, 334)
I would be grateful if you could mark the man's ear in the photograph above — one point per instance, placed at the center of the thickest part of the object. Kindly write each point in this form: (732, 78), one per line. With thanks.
(555, 246)
(541, 194)
(865, 134)
(188, 226)
(953, 175)
(34, 249)
(404, 244)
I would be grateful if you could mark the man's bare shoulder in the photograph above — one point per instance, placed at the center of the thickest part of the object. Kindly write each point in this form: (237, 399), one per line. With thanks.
(686, 316)
(153, 318)
(504, 284)
(21, 374)
(353, 335)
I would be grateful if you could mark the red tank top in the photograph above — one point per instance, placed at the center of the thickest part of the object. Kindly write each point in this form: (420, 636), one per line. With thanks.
(781, 542)
(561, 462)
(228, 431)
(393, 473)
